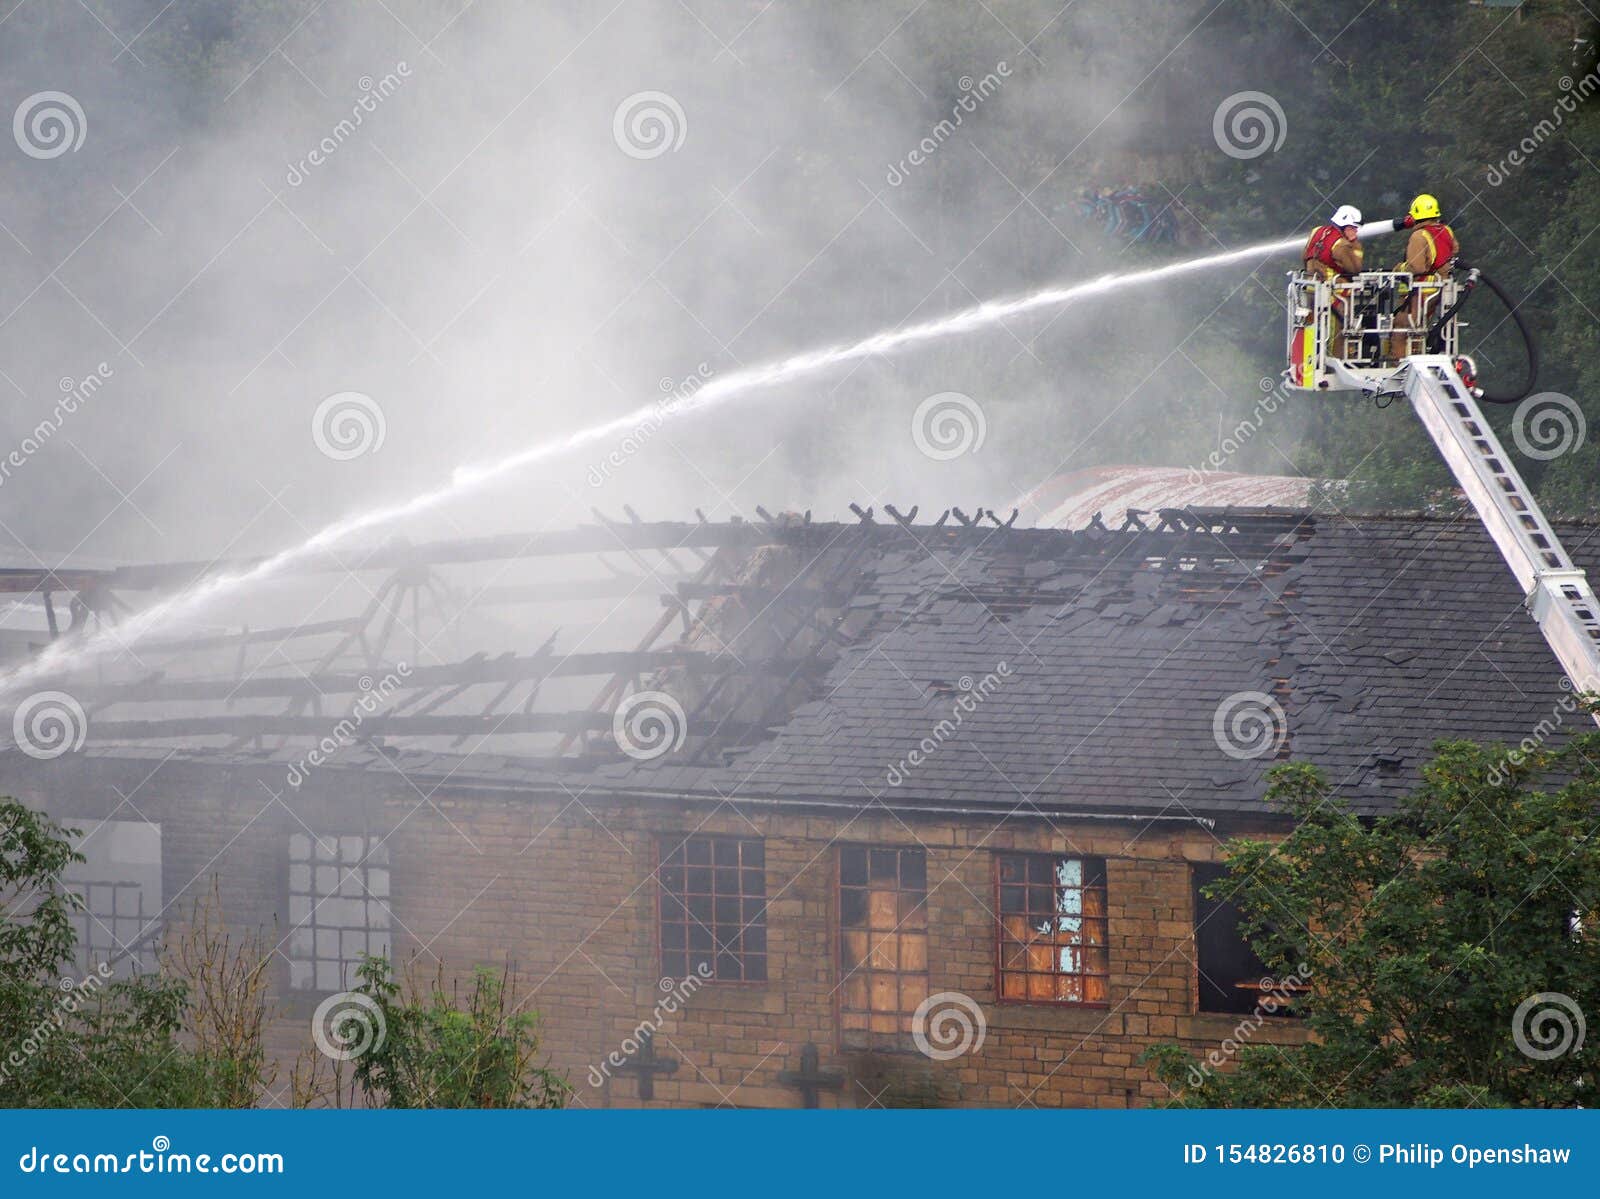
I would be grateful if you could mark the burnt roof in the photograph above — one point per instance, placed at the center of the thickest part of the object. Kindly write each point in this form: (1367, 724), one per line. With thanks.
(1049, 671)
(1375, 636)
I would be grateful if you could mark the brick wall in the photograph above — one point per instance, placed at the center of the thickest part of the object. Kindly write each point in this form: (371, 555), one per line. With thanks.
(563, 888)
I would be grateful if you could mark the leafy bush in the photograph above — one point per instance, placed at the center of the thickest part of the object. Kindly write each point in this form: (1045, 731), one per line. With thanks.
(430, 1051)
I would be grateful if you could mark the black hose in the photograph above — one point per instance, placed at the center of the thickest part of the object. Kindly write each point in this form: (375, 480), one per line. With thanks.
(1527, 340)
(1435, 341)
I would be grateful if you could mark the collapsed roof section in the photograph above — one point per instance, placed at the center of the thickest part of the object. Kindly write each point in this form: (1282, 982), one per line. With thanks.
(1156, 669)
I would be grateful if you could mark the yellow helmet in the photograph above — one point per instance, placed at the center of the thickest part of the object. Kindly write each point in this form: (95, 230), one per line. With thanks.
(1425, 208)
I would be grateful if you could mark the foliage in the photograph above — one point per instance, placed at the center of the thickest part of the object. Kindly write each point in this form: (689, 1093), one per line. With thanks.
(432, 1051)
(1424, 932)
(37, 934)
(193, 1034)
(87, 1042)
(226, 986)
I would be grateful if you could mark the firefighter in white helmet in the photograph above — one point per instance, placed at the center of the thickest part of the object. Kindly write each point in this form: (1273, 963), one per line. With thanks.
(1333, 252)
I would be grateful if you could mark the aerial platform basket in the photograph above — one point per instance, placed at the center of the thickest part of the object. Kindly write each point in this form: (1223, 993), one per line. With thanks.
(1340, 330)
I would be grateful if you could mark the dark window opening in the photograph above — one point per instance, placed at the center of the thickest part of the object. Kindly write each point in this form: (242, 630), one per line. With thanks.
(1052, 941)
(714, 909)
(1232, 978)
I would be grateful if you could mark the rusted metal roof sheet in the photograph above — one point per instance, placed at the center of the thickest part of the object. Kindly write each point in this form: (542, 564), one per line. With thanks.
(1070, 501)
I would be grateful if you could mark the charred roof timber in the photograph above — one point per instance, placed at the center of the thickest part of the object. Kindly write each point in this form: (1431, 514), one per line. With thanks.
(805, 657)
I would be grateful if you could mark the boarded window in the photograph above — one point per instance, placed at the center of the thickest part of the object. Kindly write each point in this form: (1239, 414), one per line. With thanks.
(1052, 929)
(1230, 974)
(883, 941)
(119, 882)
(714, 908)
(338, 908)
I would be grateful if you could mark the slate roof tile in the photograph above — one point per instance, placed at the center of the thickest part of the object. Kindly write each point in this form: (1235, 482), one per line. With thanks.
(1389, 633)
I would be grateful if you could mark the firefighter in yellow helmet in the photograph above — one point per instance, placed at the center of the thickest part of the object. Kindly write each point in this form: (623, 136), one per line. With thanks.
(1430, 257)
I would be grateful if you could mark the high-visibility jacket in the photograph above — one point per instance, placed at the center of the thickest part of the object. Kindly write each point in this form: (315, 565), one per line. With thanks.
(1431, 250)
(1329, 253)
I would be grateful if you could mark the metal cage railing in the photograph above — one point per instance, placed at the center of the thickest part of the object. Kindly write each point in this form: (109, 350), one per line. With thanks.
(1368, 323)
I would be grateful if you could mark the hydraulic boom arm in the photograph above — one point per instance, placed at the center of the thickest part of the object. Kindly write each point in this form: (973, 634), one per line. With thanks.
(1556, 592)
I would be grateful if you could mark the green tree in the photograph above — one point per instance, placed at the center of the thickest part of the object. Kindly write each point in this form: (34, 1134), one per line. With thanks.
(1450, 947)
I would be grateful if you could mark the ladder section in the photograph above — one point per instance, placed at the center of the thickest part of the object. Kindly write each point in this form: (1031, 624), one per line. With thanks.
(1556, 591)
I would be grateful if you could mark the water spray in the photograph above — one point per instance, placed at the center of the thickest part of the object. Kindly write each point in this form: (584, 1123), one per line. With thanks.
(64, 654)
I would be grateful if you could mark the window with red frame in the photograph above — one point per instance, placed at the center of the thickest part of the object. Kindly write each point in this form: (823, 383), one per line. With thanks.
(714, 908)
(1052, 928)
(883, 941)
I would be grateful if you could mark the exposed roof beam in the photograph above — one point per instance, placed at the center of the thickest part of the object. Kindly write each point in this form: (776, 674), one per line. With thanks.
(505, 668)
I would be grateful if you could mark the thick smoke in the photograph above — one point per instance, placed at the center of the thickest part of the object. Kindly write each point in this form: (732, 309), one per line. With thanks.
(326, 254)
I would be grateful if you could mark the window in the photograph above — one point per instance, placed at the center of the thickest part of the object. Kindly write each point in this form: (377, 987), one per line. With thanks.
(883, 941)
(714, 909)
(338, 909)
(1052, 929)
(119, 881)
(1230, 974)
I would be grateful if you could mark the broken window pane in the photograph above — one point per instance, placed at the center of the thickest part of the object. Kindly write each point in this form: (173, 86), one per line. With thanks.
(1052, 932)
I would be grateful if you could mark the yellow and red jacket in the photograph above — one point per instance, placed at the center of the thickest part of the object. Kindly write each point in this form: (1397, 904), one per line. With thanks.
(1328, 253)
(1431, 250)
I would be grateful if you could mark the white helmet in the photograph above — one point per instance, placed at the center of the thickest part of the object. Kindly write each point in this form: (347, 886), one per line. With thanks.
(1348, 214)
